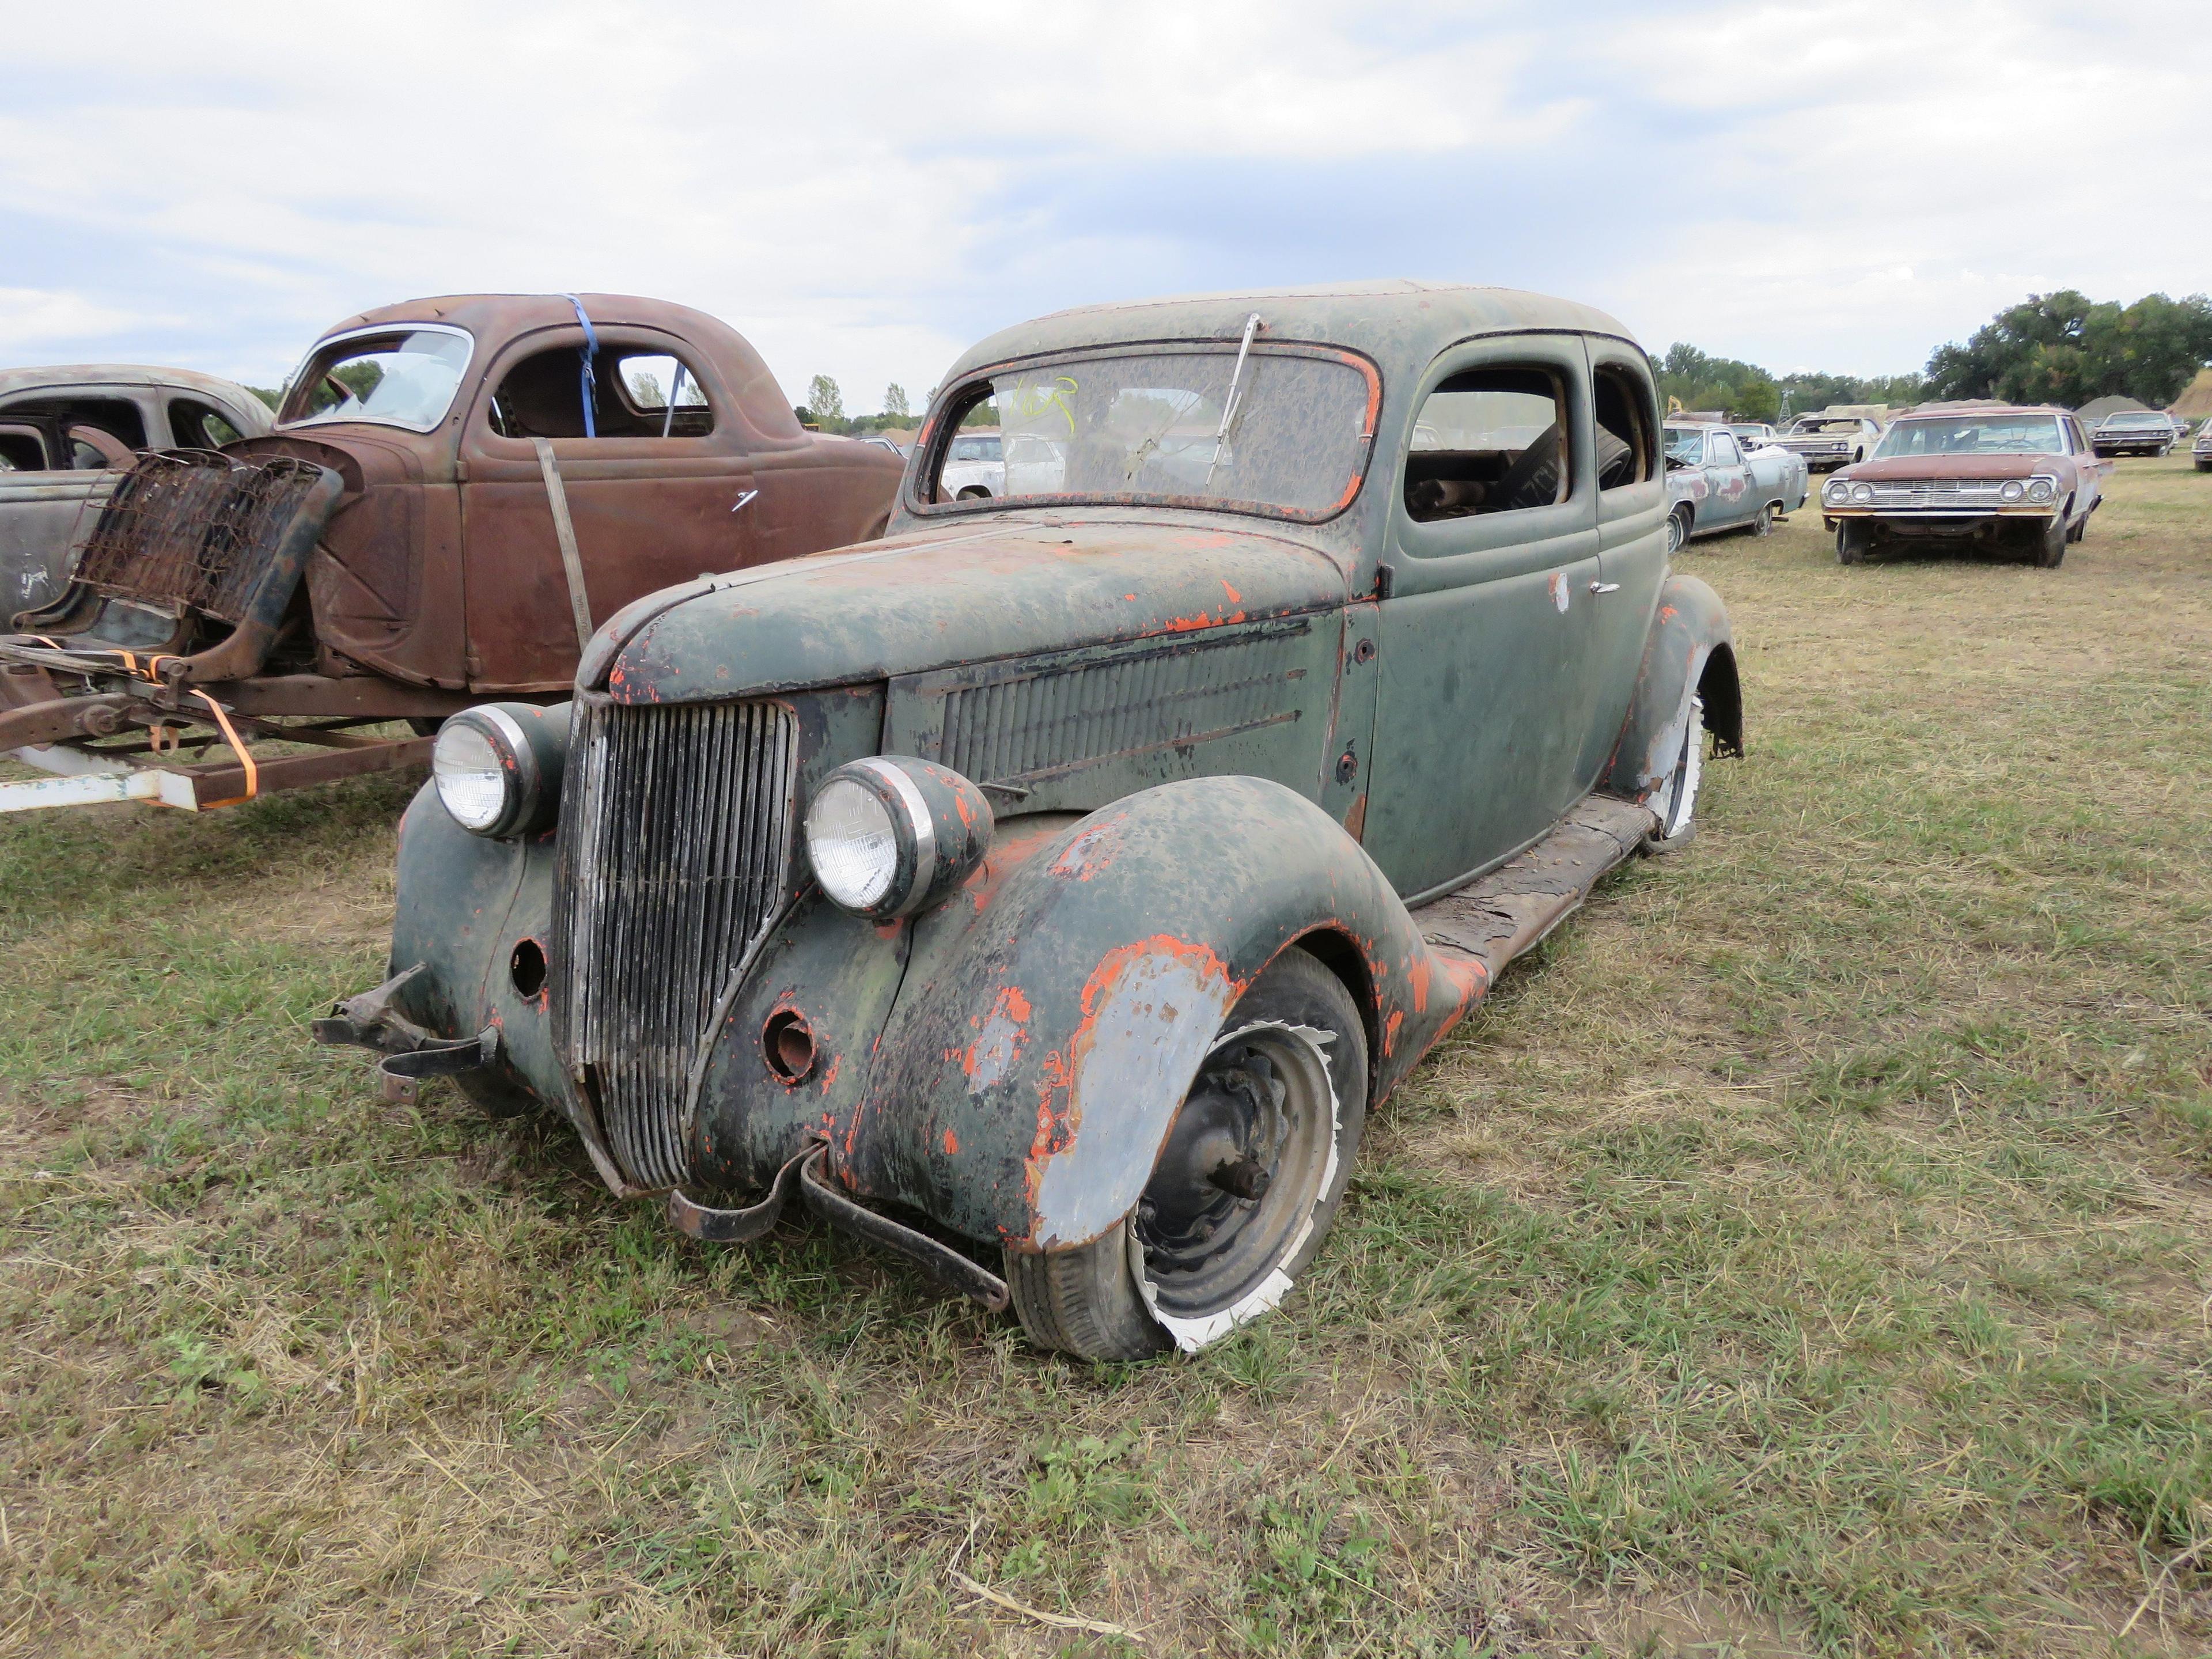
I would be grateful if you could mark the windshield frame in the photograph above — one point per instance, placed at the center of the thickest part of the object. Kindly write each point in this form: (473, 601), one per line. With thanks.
(952, 407)
(298, 377)
(1911, 422)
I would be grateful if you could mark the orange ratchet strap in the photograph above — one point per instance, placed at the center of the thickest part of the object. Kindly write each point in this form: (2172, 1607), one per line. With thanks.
(237, 747)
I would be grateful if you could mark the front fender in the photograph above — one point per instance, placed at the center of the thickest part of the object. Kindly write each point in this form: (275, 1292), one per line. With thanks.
(1048, 1026)
(1690, 652)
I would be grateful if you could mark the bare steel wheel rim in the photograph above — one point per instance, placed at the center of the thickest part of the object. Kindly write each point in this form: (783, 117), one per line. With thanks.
(1675, 538)
(1234, 1194)
(1681, 803)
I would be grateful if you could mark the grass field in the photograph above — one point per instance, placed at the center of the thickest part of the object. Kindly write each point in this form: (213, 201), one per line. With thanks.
(1806, 1253)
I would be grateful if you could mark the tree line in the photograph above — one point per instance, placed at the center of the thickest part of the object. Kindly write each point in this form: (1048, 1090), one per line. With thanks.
(2060, 348)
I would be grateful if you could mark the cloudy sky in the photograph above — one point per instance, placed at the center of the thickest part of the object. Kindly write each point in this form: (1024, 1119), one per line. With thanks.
(864, 189)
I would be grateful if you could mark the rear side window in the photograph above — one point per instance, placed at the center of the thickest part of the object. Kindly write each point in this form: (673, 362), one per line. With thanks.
(1490, 441)
(1627, 429)
(196, 426)
(542, 396)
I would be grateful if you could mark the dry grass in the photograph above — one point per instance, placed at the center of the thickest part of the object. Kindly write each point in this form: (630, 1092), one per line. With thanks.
(1806, 1253)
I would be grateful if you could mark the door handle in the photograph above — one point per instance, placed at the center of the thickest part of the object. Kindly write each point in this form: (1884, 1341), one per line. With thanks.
(1605, 587)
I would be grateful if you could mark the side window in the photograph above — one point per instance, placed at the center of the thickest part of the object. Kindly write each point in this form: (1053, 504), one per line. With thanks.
(197, 426)
(648, 380)
(543, 397)
(1627, 447)
(22, 450)
(1490, 441)
(1722, 449)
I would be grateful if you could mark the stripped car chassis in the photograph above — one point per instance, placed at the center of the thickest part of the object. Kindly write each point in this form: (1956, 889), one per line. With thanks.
(110, 727)
(205, 550)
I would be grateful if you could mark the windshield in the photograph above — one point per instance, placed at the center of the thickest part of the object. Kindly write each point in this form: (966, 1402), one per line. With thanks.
(2137, 420)
(406, 377)
(1975, 434)
(1147, 425)
(1850, 425)
(1753, 432)
(1685, 443)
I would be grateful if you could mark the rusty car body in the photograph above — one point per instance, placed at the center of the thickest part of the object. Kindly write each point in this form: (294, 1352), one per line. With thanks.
(2016, 479)
(1067, 874)
(67, 433)
(1833, 438)
(454, 492)
(1716, 483)
(2200, 451)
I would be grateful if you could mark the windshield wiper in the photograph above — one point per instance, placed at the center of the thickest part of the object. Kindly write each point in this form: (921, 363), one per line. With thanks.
(1236, 387)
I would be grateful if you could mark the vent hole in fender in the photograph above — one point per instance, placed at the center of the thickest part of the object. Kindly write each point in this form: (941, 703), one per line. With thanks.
(787, 1044)
(527, 967)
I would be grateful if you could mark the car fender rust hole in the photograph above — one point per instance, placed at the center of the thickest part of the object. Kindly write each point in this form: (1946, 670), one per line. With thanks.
(787, 1045)
(527, 967)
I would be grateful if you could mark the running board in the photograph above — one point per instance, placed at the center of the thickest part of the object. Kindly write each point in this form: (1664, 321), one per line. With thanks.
(1510, 910)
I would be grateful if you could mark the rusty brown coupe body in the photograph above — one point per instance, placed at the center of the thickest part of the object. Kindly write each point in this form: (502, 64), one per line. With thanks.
(455, 489)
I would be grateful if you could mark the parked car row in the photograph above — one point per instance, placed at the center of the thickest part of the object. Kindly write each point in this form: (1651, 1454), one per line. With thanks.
(1717, 481)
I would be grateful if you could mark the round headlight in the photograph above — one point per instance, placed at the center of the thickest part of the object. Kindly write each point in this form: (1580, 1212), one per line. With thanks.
(891, 835)
(2011, 490)
(853, 842)
(495, 776)
(1836, 491)
(2040, 489)
(1861, 493)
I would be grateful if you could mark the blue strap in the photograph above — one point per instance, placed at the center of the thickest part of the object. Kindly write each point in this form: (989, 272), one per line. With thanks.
(590, 384)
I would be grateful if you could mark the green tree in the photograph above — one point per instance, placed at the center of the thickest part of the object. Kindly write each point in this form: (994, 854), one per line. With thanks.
(895, 402)
(2065, 348)
(1701, 380)
(827, 402)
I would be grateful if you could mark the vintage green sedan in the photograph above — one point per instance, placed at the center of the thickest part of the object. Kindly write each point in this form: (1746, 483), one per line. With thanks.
(1049, 891)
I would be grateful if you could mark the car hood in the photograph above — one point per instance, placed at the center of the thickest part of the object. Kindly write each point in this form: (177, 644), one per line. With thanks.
(955, 594)
(1998, 467)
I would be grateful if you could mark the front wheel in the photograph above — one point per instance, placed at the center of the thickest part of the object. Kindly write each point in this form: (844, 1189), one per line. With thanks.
(2051, 546)
(1676, 803)
(1853, 538)
(1244, 1188)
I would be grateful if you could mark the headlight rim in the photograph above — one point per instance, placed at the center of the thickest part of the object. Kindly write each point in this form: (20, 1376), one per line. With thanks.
(520, 777)
(2042, 490)
(1837, 492)
(1862, 494)
(2012, 490)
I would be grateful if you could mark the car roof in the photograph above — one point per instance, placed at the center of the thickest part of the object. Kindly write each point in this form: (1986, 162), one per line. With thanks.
(1400, 323)
(500, 316)
(65, 376)
(1929, 412)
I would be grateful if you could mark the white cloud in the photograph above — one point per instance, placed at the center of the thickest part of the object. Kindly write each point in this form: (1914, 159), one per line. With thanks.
(32, 319)
(862, 188)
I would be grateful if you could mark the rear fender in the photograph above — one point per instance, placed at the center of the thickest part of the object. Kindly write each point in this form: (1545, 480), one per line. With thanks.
(1690, 652)
(1053, 1014)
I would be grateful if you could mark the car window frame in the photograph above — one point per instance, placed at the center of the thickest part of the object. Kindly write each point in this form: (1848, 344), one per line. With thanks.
(1435, 553)
(942, 424)
(452, 411)
(732, 433)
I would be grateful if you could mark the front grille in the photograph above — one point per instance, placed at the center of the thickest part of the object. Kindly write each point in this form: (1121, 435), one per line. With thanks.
(676, 849)
(1938, 494)
(1030, 723)
(195, 528)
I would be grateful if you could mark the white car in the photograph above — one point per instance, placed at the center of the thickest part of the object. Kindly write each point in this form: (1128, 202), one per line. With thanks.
(975, 470)
(1828, 441)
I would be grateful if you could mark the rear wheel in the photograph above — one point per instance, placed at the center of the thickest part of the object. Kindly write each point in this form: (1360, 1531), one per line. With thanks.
(1764, 524)
(1244, 1189)
(1678, 530)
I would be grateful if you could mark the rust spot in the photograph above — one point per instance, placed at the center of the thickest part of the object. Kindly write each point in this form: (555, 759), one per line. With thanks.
(951, 1144)
(1390, 1030)
(1667, 613)
(1419, 978)
(1355, 821)
(1235, 597)
(1087, 855)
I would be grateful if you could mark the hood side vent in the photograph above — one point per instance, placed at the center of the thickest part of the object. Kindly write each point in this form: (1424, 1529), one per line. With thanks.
(1027, 722)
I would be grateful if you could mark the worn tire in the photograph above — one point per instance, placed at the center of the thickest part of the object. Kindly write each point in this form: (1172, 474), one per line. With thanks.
(2050, 550)
(1763, 525)
(1678, 531)
(1085, 1301)
(1853, 538)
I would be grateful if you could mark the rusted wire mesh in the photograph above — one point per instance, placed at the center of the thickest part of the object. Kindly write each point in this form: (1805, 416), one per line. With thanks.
(194, 528)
